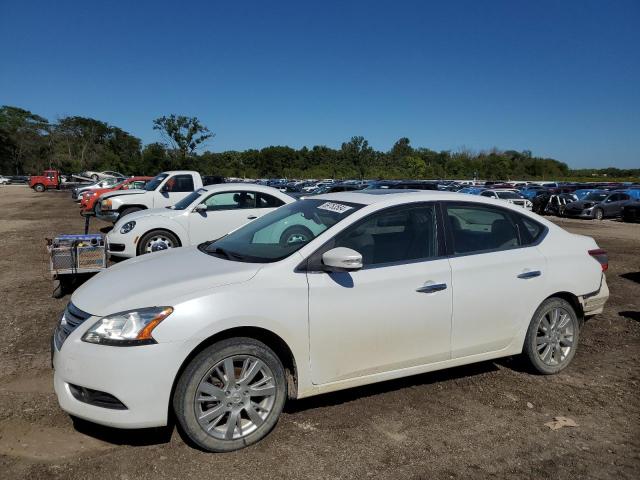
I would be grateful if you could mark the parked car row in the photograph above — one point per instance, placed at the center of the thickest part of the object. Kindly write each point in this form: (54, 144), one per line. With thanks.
(270, 299)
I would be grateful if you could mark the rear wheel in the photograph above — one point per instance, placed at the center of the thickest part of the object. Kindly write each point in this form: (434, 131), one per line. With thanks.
(38, 187)
(230, 395)
(552, 337)
(598, 214)
(157, 240)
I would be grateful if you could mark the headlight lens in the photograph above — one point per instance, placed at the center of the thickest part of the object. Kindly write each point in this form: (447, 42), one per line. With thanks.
(105, 205)
(129, 328)
(127, 227)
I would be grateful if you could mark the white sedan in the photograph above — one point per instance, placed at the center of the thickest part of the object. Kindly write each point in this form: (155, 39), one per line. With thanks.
(509, 196)
(388, 285)
(206, 214)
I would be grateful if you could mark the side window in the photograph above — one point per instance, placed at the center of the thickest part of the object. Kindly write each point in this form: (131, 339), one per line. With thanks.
(396, 235)
(179, 183)
(479, 228)
(530, 230)
(268, 201)
(487, 194)
(231, 201)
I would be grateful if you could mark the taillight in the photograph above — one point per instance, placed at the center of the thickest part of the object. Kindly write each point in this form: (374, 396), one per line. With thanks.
(601, 256)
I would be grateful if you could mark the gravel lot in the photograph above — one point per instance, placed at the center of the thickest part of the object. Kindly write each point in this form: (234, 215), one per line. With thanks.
(477, 421)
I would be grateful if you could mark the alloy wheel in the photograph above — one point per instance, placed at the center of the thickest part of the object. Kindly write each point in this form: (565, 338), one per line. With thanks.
(235, 397)
(555, 336)
(157, 243)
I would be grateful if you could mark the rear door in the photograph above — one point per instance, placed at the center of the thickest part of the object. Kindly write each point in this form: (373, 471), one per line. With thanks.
(173, 190)
(497, 272)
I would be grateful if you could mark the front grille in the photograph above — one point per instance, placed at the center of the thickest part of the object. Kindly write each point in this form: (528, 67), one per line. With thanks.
(116, 247)
(69, 321)
(96, 397)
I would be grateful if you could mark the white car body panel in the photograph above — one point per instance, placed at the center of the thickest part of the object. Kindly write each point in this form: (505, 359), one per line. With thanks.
(191, 227)
(343, 330)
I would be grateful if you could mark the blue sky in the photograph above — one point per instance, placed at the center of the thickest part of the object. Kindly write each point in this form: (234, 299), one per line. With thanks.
(560, 78)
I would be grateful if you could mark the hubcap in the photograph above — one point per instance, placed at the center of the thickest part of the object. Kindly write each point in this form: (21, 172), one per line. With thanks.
(555, 336)
(235, 397)
(157, 243)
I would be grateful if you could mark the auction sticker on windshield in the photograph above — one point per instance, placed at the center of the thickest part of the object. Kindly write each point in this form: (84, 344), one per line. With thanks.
(334, 207)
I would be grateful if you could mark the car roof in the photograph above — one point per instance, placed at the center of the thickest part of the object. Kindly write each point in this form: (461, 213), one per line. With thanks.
(222, 187)
(397, 197)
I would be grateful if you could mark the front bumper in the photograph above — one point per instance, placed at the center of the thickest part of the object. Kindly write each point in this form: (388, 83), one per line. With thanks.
(593, 303)
(121, 245)
(140, 377)
(110, 216)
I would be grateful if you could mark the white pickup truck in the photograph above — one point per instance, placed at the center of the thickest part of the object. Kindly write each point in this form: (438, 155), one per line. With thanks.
(163, 190)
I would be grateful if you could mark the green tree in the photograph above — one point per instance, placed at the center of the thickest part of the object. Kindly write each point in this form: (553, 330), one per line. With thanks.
(183, 134)
(24, 137)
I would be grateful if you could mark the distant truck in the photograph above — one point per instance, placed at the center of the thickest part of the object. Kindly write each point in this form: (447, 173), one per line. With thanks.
(48, 180)
(164, 190)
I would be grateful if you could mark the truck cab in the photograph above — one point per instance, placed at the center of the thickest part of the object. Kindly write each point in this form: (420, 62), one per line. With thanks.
(48, 179)
(164, 190)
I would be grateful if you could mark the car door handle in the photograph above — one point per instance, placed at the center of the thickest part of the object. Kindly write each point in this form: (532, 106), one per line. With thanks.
(251, 217)
(434, 287)
(532, 274)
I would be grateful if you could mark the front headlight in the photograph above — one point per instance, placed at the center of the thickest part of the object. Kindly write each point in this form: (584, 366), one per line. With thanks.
(105, 205)
(129, 328)
(127, 227)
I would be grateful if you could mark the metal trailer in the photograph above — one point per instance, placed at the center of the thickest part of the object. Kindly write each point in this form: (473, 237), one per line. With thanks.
(75, 258)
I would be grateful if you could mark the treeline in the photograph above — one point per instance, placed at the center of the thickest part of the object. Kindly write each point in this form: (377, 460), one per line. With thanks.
(30, 143)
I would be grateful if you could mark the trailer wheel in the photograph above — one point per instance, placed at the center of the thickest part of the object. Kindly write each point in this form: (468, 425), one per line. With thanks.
(38, 187)
(59, 288)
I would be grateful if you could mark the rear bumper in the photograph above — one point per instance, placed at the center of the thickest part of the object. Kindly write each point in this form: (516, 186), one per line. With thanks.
(593, 303)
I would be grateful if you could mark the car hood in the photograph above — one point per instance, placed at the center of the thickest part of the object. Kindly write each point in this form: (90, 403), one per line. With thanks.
(162, 212)
(160, 278)
(581, 204)
(134, 191)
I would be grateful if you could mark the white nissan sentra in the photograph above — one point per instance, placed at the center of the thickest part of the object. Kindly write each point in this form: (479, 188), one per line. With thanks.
(207, 213)
(381, 285)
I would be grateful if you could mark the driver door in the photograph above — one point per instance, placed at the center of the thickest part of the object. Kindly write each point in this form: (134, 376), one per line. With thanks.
(395, 312)
(225, 212)
(173, 190)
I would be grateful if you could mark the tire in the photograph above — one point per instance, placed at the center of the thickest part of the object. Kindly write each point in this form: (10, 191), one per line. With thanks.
(127, 211)
(598, 214)
(157, 240)
(95, 177)
(540, 348)
(228, 417)
(296, 233)
(38, 187)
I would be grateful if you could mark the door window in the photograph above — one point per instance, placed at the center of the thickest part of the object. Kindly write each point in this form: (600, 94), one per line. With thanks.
(179, 183)
(479, 228)
(391, 236)
(268, 201)
(231, 201)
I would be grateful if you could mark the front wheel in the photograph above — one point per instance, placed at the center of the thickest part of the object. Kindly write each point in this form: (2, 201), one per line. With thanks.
(296, 234)
(552, 337)
(127, 211)
(39, 188)
(598, 214)
(230, 395)
(94, 177)
(157, 240)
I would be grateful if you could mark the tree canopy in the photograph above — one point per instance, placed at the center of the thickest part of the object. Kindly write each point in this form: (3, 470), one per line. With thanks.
(30, 143)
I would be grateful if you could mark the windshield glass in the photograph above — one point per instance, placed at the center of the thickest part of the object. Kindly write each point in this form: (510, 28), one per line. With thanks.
(596, 197)
(508, 195)
(157, 180)
(188, 200)
(280, 233)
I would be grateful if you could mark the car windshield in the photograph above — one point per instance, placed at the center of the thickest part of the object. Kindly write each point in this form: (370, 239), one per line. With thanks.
(508, 195)
(280, 233)
(596, 197)
(157, 180)
(188, 200)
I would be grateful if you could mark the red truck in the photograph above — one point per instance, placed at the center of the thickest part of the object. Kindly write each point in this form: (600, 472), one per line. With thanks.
(49, 179)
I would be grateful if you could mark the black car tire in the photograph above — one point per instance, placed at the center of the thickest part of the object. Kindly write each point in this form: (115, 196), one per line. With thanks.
(127, 211)
(171, 237)
(296, 231)
(184, 397)
(95, 177)
(38, 187)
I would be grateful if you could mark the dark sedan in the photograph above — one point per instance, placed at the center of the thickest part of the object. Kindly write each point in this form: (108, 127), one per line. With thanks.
(598, 205)
(631, 211)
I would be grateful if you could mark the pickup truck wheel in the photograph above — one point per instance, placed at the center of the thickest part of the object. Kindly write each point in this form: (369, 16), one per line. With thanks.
(230, 395)
(127, 211)
(552, 337)
(38, 187)
(157, 240)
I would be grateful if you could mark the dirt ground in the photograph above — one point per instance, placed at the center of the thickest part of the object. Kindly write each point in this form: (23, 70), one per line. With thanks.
(483, 420)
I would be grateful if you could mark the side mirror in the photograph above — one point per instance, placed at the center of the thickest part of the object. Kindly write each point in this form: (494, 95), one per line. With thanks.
(341, 259)
(200, 208)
